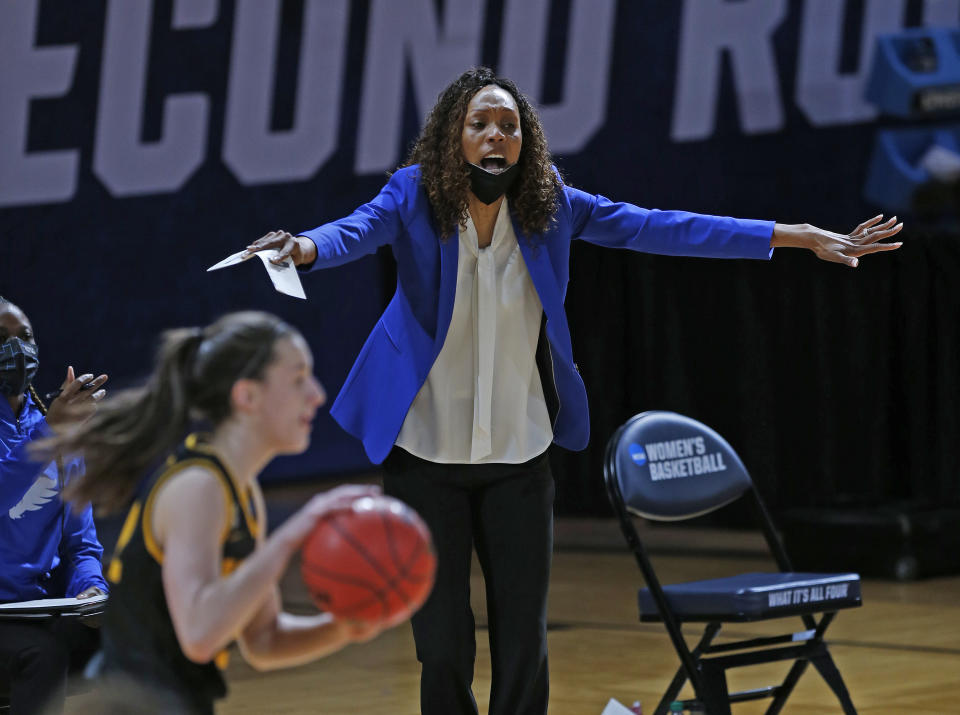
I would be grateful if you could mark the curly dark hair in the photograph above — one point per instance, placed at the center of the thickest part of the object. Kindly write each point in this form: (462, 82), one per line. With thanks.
(444, 171)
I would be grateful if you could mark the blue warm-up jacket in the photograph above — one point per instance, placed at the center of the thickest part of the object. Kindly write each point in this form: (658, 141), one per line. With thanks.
(397, 356)
(47, 549)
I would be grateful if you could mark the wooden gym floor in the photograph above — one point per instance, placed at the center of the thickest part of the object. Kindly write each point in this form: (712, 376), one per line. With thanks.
(899, 653)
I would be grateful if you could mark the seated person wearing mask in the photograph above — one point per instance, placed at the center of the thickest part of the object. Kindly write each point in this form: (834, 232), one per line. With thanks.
(47, 549)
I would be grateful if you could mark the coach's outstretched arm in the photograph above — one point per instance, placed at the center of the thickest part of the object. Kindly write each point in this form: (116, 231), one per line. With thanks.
(836, 247)
(827, 245)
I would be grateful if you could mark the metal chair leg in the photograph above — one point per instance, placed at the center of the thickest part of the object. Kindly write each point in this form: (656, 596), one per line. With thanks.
(783, 692)
(715, 697)
(673, 690)
(824, 664)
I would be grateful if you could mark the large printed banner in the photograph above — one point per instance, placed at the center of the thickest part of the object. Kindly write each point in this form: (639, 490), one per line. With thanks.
(142, 141)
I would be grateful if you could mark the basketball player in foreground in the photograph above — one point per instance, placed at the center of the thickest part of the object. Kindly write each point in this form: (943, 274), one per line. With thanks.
(193, 570)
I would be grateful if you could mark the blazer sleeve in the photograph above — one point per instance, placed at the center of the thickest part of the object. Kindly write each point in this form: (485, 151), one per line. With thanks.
(599, 220)
(80, 549)
(370, 226)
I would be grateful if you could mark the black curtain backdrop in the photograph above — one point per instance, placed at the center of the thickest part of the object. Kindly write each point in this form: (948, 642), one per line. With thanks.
(836, 386)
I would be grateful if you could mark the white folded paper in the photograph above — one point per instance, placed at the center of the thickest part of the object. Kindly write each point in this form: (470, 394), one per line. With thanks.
(615, 707)
(283, 275)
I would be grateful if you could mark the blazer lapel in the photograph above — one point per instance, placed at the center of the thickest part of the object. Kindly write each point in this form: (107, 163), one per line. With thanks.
(541, 273)
(449, 256)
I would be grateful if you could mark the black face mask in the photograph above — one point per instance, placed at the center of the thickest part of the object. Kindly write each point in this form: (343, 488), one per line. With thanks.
(487, 186)
(18, 366)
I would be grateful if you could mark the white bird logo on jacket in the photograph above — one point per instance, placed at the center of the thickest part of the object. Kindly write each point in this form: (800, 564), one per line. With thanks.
(39, 494)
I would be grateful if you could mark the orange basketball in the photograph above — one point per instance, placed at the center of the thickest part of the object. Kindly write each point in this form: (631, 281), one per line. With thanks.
(374, 562)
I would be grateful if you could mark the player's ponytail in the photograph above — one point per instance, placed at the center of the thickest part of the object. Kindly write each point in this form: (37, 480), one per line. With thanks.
(194, 372)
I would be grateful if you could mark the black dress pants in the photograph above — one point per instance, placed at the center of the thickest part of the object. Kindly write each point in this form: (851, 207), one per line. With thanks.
(36, 657)
(506, 512)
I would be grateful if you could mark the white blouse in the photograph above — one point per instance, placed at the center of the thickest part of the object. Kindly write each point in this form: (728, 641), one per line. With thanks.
(483, 401)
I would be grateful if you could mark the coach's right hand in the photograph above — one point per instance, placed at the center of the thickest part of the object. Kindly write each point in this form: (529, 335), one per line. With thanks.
(300, 249)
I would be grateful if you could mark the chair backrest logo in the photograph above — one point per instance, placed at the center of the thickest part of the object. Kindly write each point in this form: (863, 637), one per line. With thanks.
(677, 458)
(637, 454)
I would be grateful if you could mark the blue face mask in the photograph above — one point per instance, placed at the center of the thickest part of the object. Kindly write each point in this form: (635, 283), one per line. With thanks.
(18, 366)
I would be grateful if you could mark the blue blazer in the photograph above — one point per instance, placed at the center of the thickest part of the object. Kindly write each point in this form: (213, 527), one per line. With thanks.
(398, 354)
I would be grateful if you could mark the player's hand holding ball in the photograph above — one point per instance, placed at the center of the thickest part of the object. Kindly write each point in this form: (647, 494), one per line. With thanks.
(370, 565)
(340, 499)
(361, 631)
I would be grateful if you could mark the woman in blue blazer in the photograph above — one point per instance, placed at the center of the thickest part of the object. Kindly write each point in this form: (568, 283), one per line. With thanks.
(469, 375)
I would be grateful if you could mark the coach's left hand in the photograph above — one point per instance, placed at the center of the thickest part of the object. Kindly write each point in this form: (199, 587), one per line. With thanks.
(836, 247)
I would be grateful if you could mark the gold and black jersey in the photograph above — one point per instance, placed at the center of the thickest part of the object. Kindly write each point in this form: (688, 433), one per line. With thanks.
(138, 636)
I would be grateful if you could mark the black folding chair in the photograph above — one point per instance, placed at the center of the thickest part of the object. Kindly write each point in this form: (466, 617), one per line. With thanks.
(664, 466)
